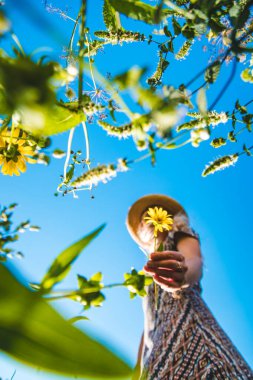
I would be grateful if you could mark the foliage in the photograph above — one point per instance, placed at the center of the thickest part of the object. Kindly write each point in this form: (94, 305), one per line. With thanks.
(33, 332)
(56, 345)
(30, 89)
(136, 282)
(93, 297)
(62, 264)
(10, 234)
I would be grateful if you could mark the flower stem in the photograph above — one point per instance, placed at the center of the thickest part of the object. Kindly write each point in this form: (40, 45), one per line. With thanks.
(155, 284)
(81, 47)
(113, 285)
(87, 144)
(71, 134)
(70, 47)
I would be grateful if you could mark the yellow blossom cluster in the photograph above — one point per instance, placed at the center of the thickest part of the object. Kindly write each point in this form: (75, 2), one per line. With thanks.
(16, 149)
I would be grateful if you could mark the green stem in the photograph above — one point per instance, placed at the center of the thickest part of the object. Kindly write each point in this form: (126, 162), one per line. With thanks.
(180, 145)
(70, 46)
(155, 284)
(71, 134)
(225, 87)
(113, 285)
(61, 294)
(87, 144)
(157, 148)
(81, 48)
(240, 131)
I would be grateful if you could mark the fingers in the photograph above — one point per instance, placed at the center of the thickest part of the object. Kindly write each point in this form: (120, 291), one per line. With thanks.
(167, 282)
(176, 276)
(166, 255)
(167, 264)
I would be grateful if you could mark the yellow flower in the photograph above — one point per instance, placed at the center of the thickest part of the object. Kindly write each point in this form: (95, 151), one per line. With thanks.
(160, 219)
(15, 150)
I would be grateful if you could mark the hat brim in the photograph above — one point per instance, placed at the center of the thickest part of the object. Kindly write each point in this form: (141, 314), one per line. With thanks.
(136, 211)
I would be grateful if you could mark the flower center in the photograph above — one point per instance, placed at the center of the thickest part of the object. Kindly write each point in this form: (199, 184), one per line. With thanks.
(12, 152)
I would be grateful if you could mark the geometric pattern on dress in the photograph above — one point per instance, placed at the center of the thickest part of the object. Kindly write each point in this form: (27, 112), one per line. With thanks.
(182, 339)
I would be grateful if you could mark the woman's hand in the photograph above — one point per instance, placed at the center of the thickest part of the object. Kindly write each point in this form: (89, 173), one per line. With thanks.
(173, 270)
(168, 269)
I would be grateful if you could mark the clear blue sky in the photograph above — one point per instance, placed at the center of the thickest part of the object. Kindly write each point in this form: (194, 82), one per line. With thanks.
(220, 206)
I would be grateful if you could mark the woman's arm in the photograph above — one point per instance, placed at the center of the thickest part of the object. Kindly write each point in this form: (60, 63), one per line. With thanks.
(176, 269)
(137, 370)
(189, 247)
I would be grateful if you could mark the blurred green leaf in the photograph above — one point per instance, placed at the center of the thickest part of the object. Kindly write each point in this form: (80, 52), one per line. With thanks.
(78, 318)
(130, 78)
(34, 333)
(90, 294)
(61, 265)
(110, 18)
(138, 10)
(202, 101)
(136, 282)
(50, 120)
(212, 72)
(58, 153)
(160, 248)
(24, 83)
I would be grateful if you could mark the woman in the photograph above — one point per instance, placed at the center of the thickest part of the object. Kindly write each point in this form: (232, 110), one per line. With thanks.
(182, 339)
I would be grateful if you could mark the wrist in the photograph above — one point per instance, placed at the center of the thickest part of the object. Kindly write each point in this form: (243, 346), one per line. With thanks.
(194, 271)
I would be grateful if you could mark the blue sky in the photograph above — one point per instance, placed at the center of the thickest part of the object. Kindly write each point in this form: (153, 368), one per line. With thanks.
(220, 206)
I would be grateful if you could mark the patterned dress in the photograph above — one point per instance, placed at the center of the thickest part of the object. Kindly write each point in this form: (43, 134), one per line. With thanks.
(182, 339)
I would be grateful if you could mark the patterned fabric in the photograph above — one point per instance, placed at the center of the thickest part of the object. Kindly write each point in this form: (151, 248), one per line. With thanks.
(182, 339)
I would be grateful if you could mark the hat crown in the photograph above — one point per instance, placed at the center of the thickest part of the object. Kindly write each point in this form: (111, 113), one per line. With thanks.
(136, 211)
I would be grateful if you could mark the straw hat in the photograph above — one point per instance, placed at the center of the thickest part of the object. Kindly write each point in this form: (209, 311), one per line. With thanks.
(136, 211)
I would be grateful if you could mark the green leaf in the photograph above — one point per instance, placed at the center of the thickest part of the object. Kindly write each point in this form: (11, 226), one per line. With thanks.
(241, 109)
(136, 282)
(78, 318)
(58, 153)
(33, 332)
(160, 248)
(212, 72)
(46, 121)
(166, 31)
(97, 277)
(90, 294)
(61, 265)
(70, 173)
(176, 26)
(25, 83)
(138, 10)
(246, 150)
(130, 78)
(111, 19)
